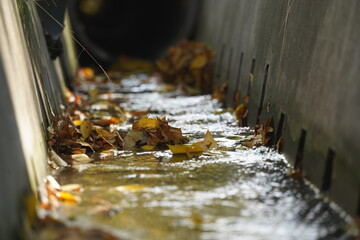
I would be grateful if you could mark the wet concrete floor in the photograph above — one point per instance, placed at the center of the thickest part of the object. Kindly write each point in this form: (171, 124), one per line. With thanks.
(230, 192)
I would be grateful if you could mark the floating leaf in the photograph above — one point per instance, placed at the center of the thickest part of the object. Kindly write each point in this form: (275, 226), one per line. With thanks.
(189, 149)
(68, 197)
(130, 187)
(72, 188)
(195, 148)
(81, 158)
(209, 140)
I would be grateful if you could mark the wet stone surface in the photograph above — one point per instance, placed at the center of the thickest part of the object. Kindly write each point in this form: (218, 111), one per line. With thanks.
(229, 192)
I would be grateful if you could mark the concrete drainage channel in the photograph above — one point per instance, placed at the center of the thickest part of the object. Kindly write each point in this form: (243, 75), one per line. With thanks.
(296, 61)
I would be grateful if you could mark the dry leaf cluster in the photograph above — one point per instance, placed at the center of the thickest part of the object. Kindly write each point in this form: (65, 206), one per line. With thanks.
(189, 64)
(51, 194)
(263, 134)
(83, 132)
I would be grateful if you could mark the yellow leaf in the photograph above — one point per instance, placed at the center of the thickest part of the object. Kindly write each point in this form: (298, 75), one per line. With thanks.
(145, 123)
(178, 149)
(148, 147)
(241, 112)
(186, 149)
(85, 128)
(130, 187)
(198, 62)
(77, 122)
(197, 147)
(68, 197)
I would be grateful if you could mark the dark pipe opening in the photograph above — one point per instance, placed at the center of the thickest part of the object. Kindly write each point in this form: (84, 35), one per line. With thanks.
(136, 28)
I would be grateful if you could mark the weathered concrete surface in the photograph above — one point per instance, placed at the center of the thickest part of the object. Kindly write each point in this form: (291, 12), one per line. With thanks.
(29, 91)
(312, 50)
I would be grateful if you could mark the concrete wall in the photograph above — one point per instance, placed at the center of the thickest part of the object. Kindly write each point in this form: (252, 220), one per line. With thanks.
(29, 91)
(312, 51)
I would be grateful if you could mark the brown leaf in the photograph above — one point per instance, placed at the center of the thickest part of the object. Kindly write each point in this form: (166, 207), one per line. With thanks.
(241, 113)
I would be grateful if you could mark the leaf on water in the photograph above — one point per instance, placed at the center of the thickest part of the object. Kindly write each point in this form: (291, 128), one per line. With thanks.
(74, 187)
(189, 150)
(81, 158)
(195, 148)
(86, 128)
(158, 131)
(209, 140)
(130, 187)
(68, 197)
(52, 184)
(106, 154)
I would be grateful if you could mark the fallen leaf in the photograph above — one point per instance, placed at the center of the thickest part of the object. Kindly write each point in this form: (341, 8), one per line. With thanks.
(209, 140)
(188, 64)
(199, 61)
(56, 159)
(106, 154)
(86, 128)
(81, 158)
(133, 137)
(74, 187)
(130, 187)
(195, 148)
(189, 150)
(145, 123)
(68, 197)
(78, 150)
(241, 113)
(77, 122)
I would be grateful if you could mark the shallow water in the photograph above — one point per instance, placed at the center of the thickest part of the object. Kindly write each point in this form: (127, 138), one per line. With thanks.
(226, 193)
